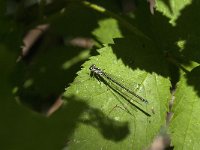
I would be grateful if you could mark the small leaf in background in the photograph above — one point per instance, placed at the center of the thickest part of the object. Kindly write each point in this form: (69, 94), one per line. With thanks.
(104, 34)
(171, 8)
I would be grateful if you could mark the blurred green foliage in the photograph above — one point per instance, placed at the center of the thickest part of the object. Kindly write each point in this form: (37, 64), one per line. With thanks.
(160, 51)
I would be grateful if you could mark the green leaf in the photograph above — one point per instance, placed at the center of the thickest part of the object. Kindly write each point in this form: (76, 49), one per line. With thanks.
(171, 9)
(104, 125)
(104, 33)
(120, 18)
(185, 123)
(182, 15)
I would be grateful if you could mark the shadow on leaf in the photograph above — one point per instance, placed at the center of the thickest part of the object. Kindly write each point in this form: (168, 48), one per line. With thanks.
(109, 128)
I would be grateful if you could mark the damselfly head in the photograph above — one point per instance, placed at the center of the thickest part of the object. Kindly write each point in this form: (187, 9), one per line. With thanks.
(92, 67)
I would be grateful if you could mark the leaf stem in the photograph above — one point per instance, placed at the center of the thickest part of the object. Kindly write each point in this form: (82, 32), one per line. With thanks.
(122, 21)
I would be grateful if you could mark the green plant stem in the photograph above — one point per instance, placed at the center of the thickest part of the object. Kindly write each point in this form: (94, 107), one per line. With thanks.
(123, 22)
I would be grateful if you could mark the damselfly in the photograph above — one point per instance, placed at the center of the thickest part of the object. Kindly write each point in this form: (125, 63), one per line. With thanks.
(97, 71)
